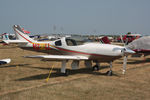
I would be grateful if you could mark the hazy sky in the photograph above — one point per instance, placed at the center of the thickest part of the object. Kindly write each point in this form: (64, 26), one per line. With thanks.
(76, 16)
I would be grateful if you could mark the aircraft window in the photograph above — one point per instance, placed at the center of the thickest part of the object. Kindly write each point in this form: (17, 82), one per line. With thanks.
(71, 42)
(58, 43)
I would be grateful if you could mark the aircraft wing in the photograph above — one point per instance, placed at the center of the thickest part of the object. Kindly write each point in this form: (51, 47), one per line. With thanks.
(7, 40)
(14, 41)
(59, 57)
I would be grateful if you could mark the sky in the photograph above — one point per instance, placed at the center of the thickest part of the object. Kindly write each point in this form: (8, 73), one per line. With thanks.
(76, 16)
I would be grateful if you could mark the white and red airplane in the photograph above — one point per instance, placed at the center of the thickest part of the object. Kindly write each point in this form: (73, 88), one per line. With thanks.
(65, 49)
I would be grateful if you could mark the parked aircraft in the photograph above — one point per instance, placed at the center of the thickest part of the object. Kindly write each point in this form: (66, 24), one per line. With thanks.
(5, 61)
(65, 49)
(105, 40)
(141, 46)
(128, 38)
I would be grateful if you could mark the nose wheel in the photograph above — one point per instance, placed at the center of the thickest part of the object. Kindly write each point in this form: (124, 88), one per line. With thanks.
(95, 68)
(109, 73)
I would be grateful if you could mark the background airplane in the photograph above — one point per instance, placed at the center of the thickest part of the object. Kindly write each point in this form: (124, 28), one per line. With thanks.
(128, 38)
(141, 45)
(5, 61)
(65, 49)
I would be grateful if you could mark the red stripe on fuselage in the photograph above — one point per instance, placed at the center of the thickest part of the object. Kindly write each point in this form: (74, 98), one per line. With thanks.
(62, 49)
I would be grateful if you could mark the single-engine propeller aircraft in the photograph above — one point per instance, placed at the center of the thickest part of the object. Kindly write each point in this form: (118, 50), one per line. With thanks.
(65, 49)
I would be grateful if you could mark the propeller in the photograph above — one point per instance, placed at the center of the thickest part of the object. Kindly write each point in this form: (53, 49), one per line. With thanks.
(124, 53)
(125, 43)
(124, 60)
(122, 40)
(124, 64)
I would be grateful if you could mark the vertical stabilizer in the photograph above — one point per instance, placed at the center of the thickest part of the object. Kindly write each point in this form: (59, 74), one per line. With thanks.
(5, 36)
(21, 35)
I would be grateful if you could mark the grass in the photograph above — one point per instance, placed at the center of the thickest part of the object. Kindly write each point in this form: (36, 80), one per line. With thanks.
(25, 79)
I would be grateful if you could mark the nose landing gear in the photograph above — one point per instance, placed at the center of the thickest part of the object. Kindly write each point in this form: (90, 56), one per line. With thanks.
(96, 67)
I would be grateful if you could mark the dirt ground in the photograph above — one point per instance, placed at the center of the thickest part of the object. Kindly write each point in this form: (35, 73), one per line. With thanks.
(25, 79)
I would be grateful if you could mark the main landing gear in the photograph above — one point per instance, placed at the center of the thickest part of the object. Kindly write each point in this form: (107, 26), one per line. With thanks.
(96, 67)
(110, 73)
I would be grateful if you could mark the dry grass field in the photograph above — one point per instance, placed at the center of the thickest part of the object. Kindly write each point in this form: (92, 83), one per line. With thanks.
(25, 79)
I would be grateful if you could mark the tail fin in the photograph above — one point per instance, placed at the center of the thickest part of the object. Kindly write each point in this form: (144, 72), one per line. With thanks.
(5, 36)
(105, 40)
(21, 35)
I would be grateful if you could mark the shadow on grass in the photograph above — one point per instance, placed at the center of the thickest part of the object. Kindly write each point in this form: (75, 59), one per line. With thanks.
(58, 74)
(8, 47)
(6, 66)
(137, 61)
(44, 68)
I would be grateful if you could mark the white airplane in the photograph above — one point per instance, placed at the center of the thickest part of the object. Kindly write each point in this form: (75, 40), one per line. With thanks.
(65, 49)
(5, 61)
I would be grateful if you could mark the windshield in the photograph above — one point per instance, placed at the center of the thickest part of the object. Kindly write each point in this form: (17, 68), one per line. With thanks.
(71, 42)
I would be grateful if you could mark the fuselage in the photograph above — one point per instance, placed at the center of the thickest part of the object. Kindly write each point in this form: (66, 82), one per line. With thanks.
(64, 46)
(67, 46)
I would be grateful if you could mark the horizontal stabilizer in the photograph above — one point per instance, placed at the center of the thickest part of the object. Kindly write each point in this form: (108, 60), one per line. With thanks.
(14, 41)
(59, 57)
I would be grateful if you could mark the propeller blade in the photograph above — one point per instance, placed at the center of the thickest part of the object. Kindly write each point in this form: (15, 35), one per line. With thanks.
(124, 64)
(121, 39)
(124, 43)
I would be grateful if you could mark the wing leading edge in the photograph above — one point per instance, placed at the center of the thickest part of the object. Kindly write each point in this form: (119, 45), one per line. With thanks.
(59, 57)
